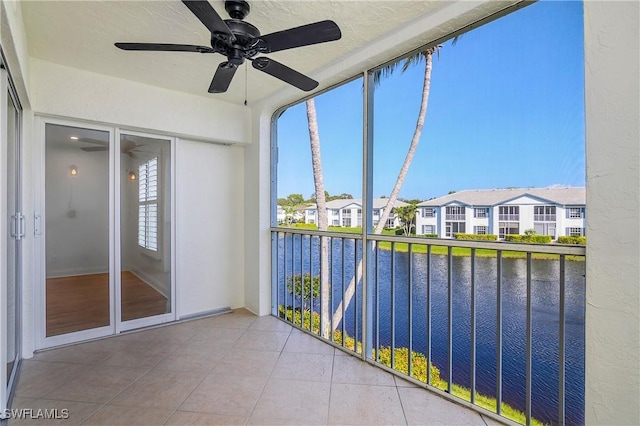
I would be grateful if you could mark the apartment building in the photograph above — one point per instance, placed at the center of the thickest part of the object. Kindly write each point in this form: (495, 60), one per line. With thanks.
(348, 213)
(553, 211)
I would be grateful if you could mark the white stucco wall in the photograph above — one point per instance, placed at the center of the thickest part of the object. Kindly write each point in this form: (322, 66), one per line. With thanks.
(69, 92)
(210, 227)
(613, 203)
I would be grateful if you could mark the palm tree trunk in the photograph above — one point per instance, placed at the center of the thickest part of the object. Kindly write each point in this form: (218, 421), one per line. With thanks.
(321, 203)
(350, 291)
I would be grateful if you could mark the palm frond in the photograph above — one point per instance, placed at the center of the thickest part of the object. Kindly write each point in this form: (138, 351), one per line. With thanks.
(409, 61)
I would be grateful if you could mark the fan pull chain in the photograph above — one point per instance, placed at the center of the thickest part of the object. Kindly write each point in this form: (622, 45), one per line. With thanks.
(246, 79)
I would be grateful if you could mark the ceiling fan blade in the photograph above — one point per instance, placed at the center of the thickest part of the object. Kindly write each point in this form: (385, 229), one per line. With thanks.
(127, 145)
(284, 73)
(209, 17)
(164, 47)
(318, 32)
(222, 78)
(94, 148)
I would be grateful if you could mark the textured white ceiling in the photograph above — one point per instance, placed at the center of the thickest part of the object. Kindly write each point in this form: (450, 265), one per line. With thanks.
(80, 34)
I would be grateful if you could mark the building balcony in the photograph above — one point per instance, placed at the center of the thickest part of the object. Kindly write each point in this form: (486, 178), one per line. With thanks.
(544, 217)
(509, 217)
(456, 217)
(233, 368)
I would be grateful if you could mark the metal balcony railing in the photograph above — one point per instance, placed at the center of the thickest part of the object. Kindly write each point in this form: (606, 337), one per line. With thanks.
(498, 325)
(544, 217)
(509, 217)
(457, 217)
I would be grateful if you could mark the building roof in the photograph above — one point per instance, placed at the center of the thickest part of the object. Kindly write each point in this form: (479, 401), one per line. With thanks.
(491, 197)
(378, 203)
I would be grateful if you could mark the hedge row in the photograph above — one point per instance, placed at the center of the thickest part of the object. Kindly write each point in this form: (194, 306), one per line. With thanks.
(430, 235)
(476, 237)
(579, 241)
(540, 239)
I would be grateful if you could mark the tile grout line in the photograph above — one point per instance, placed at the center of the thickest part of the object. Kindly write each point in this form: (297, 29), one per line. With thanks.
(206, 374)
(404, 414)
(269, 378)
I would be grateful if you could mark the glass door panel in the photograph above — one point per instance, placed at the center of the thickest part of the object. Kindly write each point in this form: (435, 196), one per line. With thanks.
(13, 243)
(77, 229)
(145, 227)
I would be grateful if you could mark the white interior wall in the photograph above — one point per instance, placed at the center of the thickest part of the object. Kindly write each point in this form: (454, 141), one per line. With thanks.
(210, 227)
(612, 331)
(77, 216)
(68, 92)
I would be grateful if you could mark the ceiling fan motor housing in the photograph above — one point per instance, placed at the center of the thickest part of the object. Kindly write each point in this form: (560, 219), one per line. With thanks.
(243, 47)
(237, 9)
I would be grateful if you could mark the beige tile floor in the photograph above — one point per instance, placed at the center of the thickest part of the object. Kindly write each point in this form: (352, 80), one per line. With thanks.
(234, 368)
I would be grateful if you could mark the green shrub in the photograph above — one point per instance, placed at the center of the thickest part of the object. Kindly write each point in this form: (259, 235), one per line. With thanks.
(567, 239)
(537, 239)
(476, 237)
(401, 364)
(429, 235)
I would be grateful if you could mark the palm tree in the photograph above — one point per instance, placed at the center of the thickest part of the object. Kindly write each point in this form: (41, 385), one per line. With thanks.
(427, 56)
(321, 209)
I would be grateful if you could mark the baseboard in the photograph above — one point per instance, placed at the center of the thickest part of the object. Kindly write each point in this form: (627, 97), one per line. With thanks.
(77, 272)
(158, 285)
(213, 312)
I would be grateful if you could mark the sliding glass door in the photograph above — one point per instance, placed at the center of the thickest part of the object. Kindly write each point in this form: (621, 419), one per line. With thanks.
(107, 230)
(77, 293)
(12, 236)
(145, 230)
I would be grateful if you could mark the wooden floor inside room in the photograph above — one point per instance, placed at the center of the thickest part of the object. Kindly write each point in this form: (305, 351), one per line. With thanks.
(81, 302)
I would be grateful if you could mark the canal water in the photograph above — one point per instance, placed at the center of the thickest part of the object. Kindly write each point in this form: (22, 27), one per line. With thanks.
(545, 318)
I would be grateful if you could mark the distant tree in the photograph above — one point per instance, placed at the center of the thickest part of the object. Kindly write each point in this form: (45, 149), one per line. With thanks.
(295, 199)
(452, 191)
(289, 213)
(410, 201)
(407, 215)
(305, 287)
(343, 196)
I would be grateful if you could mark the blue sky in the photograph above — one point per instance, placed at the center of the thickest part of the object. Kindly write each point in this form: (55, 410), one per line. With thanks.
(506, 109)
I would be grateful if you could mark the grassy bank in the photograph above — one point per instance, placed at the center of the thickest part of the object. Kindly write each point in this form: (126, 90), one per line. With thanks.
(419, 366)
(417, 247)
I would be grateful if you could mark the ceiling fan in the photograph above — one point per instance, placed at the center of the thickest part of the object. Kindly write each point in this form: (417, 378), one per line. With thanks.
(239, 40)
(127, 146)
